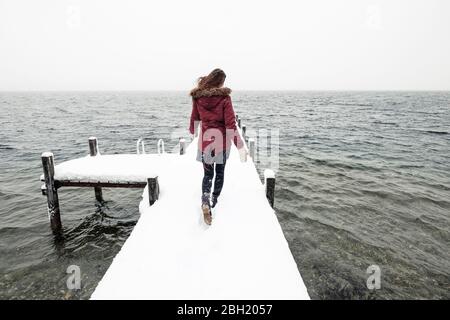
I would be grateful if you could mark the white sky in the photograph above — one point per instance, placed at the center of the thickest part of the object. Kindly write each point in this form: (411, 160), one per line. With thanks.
(261, 45)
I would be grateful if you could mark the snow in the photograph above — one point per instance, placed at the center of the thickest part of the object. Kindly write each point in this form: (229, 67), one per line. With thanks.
(172, 254)
(269, 174)
(114, 168)
(47, 154)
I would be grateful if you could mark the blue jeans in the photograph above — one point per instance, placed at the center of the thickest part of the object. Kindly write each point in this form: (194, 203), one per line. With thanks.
(209, 168)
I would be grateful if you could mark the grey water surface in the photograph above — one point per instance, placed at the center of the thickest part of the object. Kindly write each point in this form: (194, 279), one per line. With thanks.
(363, 179)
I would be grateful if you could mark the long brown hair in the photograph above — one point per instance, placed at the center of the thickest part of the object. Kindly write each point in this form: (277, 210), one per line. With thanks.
(215, 79)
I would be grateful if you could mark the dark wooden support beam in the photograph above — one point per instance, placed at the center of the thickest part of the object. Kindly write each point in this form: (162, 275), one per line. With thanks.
(153, 190)
(51, 191)
(182, 146)
(244, 132)
(93, 151)
(269, 182)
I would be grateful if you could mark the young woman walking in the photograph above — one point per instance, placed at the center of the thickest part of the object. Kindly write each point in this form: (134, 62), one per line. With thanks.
(211, 104)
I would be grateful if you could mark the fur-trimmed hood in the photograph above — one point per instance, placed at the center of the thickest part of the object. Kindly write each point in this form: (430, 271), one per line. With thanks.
(198, 93)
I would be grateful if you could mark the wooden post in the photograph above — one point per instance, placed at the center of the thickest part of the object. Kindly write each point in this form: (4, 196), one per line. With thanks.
(93, 151)
(251, 147)
(93, 146)
(182, 146)
(153, 189)
(269, 182)
(51, 191)
(244, 131)
(239, 123)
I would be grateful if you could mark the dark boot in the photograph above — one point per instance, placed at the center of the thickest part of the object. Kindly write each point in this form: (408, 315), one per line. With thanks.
(206, 209)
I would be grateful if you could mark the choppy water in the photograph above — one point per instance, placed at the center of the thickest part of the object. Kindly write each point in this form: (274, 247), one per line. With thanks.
(364, 179)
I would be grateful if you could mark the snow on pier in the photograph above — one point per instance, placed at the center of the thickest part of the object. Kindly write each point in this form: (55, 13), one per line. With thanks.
(114, 167)
(172, 254)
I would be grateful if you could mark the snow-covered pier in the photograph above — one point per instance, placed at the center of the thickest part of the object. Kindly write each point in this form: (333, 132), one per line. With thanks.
(171, 253)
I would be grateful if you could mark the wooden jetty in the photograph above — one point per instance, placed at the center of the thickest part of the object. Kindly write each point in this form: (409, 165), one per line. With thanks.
(171, 253)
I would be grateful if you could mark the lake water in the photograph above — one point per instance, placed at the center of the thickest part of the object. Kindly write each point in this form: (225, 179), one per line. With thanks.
(363, 179)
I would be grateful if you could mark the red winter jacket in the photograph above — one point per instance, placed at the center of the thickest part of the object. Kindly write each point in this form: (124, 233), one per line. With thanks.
(214, 109)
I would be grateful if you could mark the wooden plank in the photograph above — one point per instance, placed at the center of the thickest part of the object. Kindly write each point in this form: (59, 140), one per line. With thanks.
(105, 184)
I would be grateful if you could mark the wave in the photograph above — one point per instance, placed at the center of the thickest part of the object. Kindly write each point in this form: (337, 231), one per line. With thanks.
(441, 235)
(341, 165)
(6, 147)
(411, 166)
(353, 104)
(62, 110)
(431, 131)
(436, 132)
(386, 123)
(293, 183)
(288, 194)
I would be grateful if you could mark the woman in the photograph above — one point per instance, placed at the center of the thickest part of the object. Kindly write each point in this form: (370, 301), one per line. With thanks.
(211, 104)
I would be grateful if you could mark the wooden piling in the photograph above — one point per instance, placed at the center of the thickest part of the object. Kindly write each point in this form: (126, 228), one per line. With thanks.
(93, 151)
(51, 191)
(269, 182)
(244, 132)
(93, 146)
(182, 146)
(153, 189)
(239, 122)
(251, 147)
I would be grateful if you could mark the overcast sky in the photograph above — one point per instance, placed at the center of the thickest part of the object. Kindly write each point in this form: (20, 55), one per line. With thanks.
(261, 45)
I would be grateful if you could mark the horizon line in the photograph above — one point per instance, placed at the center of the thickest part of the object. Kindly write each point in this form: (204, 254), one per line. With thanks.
(234, 90)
